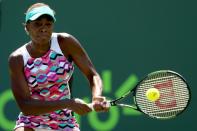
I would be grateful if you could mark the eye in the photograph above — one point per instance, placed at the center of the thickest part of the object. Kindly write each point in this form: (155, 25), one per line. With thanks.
(37, 24)
(49, 24)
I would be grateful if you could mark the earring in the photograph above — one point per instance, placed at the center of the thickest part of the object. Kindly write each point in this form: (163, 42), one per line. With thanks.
(26, 31)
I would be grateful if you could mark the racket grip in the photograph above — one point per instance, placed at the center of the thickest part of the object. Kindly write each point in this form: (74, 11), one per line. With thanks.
(108, 104)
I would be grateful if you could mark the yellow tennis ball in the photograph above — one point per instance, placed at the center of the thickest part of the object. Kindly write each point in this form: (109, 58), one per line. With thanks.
(152, 94)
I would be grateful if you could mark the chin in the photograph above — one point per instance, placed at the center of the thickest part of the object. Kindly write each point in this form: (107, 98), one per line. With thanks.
(45, 39)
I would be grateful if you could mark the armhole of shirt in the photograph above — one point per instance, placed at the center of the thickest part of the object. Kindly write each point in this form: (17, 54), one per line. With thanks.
(55, 44)
(25, 54)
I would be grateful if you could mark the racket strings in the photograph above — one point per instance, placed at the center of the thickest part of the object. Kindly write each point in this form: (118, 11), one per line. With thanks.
(174, 95)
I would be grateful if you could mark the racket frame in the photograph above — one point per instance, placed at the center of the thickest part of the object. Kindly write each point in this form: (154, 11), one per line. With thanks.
(133, 92)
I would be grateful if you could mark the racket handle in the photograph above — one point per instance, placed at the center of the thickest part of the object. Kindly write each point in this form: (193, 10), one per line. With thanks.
(108, 104)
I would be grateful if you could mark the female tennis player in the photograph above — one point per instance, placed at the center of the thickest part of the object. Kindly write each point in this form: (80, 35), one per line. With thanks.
(40, 71)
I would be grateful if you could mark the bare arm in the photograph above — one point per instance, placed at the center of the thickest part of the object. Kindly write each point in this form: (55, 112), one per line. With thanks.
(31, 106)
(73, 48)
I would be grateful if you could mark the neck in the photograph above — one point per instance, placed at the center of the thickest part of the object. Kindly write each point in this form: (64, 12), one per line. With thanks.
(40, 47)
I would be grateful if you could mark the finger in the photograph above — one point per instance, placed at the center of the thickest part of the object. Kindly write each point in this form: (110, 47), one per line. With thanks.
(105, 106)
(98, 107)
(101, 108)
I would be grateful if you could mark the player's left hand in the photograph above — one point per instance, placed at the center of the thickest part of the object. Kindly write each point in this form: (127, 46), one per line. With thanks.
(100, 104)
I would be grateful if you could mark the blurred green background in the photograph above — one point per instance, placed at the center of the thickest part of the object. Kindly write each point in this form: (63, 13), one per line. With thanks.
(125, 39)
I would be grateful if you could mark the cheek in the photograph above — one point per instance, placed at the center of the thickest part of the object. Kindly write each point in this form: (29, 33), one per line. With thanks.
(51, 29)
(32, 34)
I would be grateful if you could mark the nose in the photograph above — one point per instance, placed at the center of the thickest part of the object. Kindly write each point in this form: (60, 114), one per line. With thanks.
(44, 29)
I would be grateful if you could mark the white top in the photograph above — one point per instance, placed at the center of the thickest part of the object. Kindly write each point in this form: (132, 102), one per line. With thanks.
(54, 46)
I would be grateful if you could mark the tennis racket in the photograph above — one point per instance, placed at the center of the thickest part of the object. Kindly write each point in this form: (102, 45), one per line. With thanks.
(170, 88)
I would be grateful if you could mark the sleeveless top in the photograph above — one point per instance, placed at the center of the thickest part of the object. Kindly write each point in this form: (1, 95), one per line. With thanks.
(47, 78)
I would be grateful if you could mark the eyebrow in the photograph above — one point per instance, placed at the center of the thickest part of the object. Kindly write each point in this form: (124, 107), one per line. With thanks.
(49, 18)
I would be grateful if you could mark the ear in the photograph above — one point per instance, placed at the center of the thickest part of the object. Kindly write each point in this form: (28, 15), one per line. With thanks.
(26, 28)
(27, 32)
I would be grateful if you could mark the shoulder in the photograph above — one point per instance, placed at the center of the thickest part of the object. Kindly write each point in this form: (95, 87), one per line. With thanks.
(15, 58)
(68, 41)
(63, 36)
